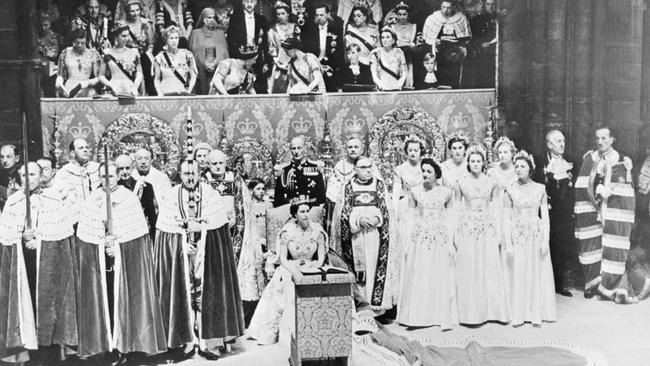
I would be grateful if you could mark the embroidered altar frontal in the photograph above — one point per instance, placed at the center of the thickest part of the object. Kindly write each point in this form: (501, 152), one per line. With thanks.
(271, 119)
(323, 329)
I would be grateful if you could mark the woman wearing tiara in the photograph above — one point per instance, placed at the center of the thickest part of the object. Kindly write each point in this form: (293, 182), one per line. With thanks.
(120, 70)
(428, 293)
(406, 176)
(280, 31)
(175, 68)
(361, 33)
(526, 229)
(387, 63)
(481, 280)
(302, 247)
(235, 75)
(454, 168)
(504, 171)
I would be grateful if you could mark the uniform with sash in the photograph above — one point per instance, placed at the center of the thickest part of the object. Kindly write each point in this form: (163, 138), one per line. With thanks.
(299, 178)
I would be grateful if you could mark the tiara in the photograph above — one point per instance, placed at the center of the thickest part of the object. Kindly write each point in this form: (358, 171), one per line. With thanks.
(301, 199)
(522, 154)
(247, 50)
(504, 140)
(402, 5)
(476, 149)
(460, 136)
(414, 138)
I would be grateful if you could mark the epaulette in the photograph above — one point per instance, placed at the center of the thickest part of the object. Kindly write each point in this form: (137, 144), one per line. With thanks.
(587, 153)
(318, 163)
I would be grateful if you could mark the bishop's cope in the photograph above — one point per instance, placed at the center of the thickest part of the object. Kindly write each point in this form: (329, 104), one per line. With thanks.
(300, 177)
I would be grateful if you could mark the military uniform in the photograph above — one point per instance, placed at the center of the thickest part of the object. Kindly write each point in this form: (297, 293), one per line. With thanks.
(299, 178)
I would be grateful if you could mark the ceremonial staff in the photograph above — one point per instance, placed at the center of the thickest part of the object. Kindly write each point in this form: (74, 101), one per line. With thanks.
(110, 261)
(28, 211)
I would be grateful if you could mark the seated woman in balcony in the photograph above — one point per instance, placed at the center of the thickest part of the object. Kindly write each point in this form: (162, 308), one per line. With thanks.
(302, 247)
(208, 43)
(235, 75)
(361, 33)
(387, 63)
(120, 70)
(175, 68)
(78, 69)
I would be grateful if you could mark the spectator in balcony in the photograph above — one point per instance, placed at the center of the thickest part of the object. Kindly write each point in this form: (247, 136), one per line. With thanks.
(447, 31)
(407, 36)
(147, 10)
(324, 38)
(140, 37)
(173, 12)
(373, 9)
(361, 33)
(483, 48)
(236, 75)
(78, 69)
(248, 29)
(49, 46)
(208, 44)
(428, 80)
(120, 70)
(280, 31)
(94, 18)
(305, 74)
(387, 63)
(175, 68)
(355, 76)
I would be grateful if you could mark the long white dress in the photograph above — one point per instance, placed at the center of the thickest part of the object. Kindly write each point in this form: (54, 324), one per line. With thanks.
(532, 289)
(429, 278)
(452, 173)
(405, 178)
(481, 280)
(274, 317)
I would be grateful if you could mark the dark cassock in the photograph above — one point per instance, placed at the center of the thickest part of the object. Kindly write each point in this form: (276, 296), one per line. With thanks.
(230, 188)
(604, 208)
(327, 43)
(558, 175)
(299, 178)
(481, 62)
(145, 193)
(36, 283)
(240, 35)
(196, 271)
(125, 316)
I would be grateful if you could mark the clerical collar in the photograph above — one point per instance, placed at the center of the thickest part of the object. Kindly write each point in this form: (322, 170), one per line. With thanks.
(84, 165)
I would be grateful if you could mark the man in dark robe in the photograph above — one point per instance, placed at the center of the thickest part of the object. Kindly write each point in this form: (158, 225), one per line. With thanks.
(142, 189)
(481, 63)
(9, 180)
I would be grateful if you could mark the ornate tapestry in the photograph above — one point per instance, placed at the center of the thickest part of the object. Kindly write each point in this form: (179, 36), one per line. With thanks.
(270, 120)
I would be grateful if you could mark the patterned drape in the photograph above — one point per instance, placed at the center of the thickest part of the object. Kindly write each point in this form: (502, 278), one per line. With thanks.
(272, 120)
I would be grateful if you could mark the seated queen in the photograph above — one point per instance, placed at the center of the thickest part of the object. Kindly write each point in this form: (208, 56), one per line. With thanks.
(302, 249)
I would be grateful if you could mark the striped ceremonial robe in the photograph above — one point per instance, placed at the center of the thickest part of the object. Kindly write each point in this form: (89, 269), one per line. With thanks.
(603, 225)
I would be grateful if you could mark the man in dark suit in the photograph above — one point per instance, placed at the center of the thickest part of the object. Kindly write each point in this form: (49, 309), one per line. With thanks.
(248, 28)
(558, 175)
(323, 36)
